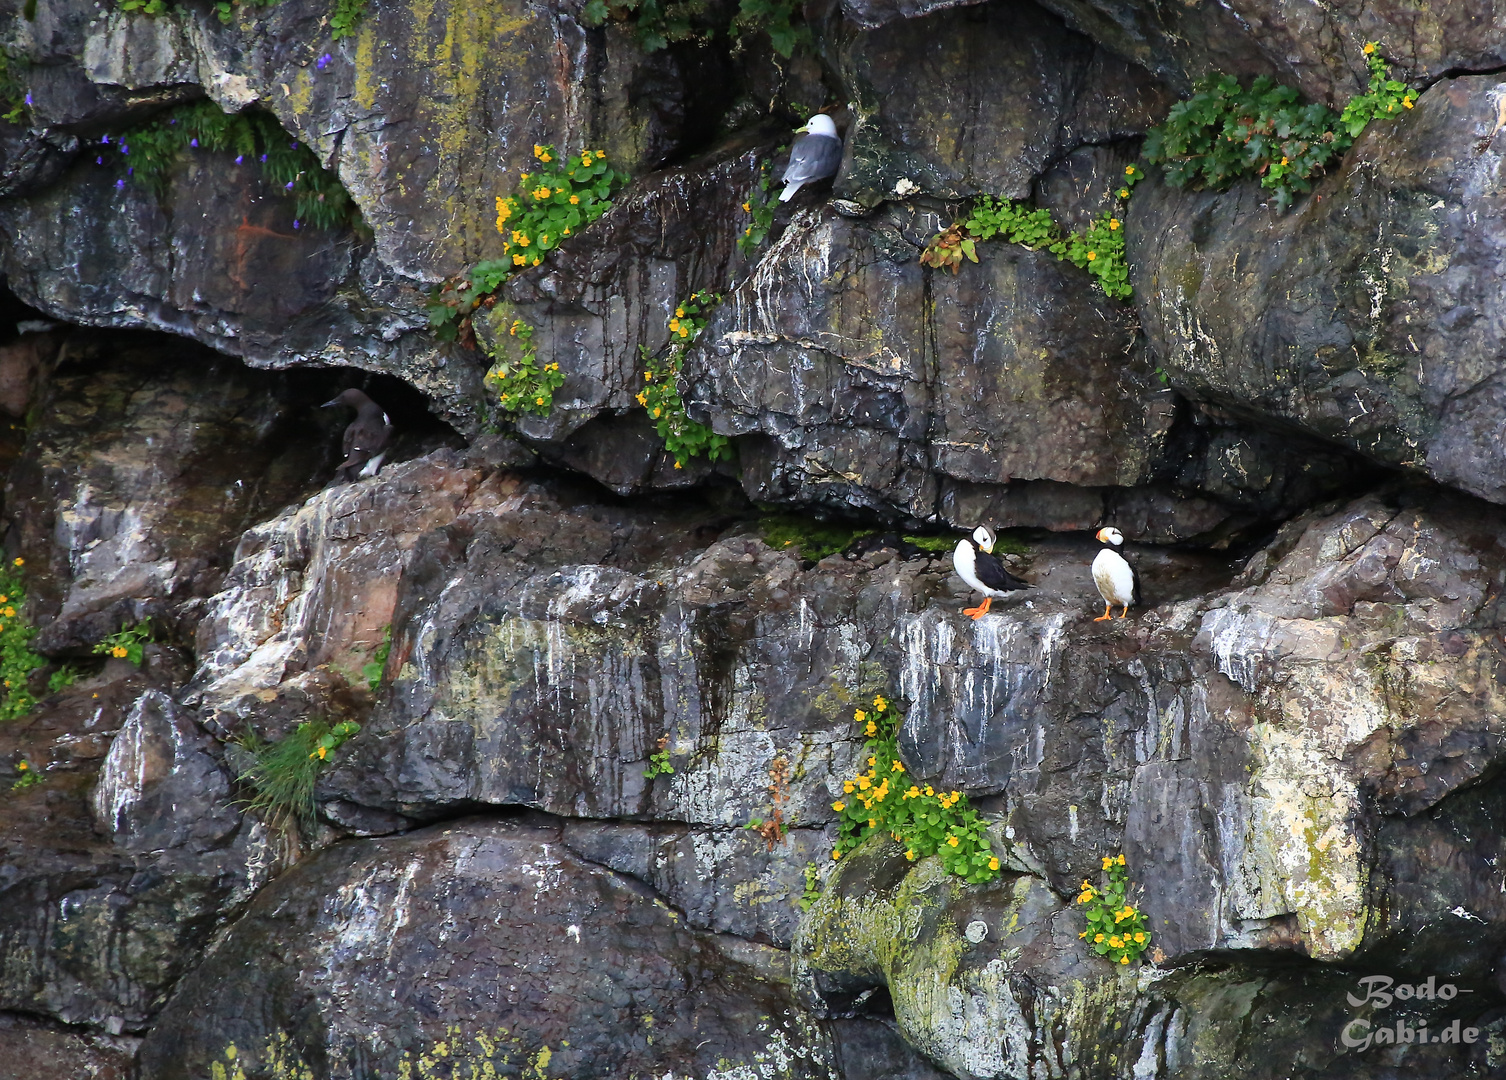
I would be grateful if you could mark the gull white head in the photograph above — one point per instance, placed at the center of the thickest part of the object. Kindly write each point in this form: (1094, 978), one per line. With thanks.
(820, 124)
(1110, 535)
(983, 538)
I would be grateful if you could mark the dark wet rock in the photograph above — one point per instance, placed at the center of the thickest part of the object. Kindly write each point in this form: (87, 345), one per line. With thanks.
(1365, 315)
(474, 926)
(1318, 49)
(122, 863)
(144, 461)
(30, 1047)
(929, 97)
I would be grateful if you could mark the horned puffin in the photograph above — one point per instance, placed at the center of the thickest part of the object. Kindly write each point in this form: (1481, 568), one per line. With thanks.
(977, 565)
(1115, 577)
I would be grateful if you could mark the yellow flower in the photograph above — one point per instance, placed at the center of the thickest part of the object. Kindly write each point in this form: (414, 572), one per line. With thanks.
(1097, 939)
(18, 561)
(863, 784)
(545, 157)
(1407, 102)
(643, 399)
(872, 824)
(678, 465)
(929, 792)
(118, 651)
(517, 260)
(574, 200)
(1129, 170)
(1124, 959)
(1107, 862)
(1084, 898)
(1115, 943)
(913, 793)
(839, 806)
(1369, 47)
(993, 864)
(896, 767)
(860, 716)
(524, 178)
(513, 329)
(909, 854)
(538, 151)
(1086, 884)
(871, 729)
(847, 786)
(1124, 193)
(543, 238)
(3, 598)
(679, 312)
(747, 207)
(1113, 224)
(23, 766)
(1285, 161)
(567, 230)
(1121, 860)
(520, 238)
(551, 367)
(657, 410)
(674, 324)
(540, 192)
(585, 157)
(648, 376)
(880, 704)
(1092, 255)
(10, 613)
(951, 841)
(748, 231)
(1140, 938)
(601, 155)
(320, 753)
(836, 854)
(872, 762)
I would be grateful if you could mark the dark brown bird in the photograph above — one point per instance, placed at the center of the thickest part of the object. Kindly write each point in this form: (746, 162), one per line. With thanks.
(366, 437)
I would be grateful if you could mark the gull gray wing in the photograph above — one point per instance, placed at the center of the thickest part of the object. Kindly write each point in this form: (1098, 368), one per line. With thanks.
(813, 157)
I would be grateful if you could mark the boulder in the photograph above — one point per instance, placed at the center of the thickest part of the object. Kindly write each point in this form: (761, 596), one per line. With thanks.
(1363, 315)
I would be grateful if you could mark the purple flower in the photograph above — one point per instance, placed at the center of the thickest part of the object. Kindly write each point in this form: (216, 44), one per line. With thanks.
(324, 61)
(119, 184)
(105, 139)
(295, 223)
(28, 99)
(264, 157)
(99, 161)
(239, 158)
(289, 185)
(124, 149)
(293, 145)
(131, 171)
(193, 143)
(174, 120)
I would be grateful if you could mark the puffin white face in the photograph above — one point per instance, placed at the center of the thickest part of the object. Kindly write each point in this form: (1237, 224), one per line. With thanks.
(820, 124)
(984, 538)
(1110, 535)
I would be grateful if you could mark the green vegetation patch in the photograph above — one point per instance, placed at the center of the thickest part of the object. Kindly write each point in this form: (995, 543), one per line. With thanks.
(521, 383)
(1116, 928)
(29, 777)
(1226, 132)
(282, 774)
(1099, 249)
(759, 206)
(147, 153)
(683, 437)
(884, 799)
(547, 208)
(17, 661)
(814, 540)
(373, 669)
(128, 643)
(656, 24)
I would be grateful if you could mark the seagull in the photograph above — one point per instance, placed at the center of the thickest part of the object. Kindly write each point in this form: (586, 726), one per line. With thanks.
(1113, 575)
(366, 437)
(814, 156)
(977, 565)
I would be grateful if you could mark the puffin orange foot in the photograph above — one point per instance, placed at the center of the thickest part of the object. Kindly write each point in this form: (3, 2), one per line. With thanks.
(982, 609)
(1125, 613)
(972, 612)
(1105, 617)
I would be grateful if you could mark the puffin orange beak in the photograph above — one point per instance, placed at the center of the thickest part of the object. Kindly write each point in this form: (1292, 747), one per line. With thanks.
(1099, 535)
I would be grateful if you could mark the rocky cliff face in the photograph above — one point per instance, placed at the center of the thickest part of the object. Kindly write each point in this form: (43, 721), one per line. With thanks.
(605, 699)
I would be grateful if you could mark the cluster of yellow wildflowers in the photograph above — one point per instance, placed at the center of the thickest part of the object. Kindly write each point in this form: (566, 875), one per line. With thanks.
(660, 396)
(17, 661)
(29, 777)
(1116, 928)
(554, 204)
(547, 209)
(522, 384)
(127, 643)
(885, 799)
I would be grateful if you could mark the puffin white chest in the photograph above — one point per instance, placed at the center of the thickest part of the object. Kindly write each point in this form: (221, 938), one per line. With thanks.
(1114, 577)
